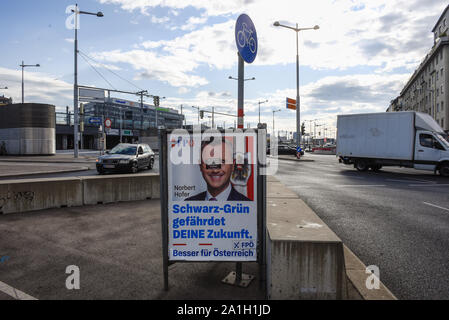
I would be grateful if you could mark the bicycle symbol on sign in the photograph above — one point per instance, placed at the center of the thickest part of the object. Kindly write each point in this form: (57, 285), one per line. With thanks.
(245, 38)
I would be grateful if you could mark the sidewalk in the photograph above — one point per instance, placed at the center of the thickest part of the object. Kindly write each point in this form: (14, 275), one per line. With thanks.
(18, 168)
(57, 158)
(118, 250)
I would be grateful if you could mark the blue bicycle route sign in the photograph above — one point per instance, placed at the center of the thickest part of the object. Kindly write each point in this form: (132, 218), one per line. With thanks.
(246, 38)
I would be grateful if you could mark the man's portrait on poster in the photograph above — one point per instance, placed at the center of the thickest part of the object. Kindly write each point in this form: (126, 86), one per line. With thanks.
(217, 165)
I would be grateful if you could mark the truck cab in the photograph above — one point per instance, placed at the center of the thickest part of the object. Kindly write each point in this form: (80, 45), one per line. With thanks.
(431, 152)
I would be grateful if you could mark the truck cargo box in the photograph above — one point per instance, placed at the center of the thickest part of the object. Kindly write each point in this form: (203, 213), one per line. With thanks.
(387, 135)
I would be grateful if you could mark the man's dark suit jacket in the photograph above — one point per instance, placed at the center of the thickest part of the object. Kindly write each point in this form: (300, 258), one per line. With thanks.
(234, 195)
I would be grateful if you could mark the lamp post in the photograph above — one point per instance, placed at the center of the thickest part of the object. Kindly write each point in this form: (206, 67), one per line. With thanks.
(23, 65)
(155, 109)
(260, 102)
(298, 122)
(75, 82)
(198, 108)
(273, 120)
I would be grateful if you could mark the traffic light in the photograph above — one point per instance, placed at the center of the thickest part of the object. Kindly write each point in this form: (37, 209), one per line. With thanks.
(303, 128)
(128, 115)
(201, 114)
(156, 101)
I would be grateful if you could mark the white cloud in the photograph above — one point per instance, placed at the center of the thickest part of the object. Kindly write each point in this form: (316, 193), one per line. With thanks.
(377, 33)
(381, 34)
(39, 87)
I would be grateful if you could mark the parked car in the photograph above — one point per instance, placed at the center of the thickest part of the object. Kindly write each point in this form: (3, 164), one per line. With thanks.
(126, 157)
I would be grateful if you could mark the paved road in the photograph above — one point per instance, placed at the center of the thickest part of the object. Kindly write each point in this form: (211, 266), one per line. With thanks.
(397, 219)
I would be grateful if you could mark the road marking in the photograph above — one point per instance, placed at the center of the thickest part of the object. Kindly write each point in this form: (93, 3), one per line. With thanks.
(360, 185)
(434, 205)
(16, 294)
(429, 185)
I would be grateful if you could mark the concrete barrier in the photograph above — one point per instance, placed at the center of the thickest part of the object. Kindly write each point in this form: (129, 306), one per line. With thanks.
(123, 187)
(305, 259)
(37, 194)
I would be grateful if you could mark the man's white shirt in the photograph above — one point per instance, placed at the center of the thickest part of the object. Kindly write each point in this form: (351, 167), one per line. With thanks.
(223, 196)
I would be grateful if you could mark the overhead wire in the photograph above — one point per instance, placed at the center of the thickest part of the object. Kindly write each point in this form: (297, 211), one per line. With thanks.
(95, 69)
(111, 71)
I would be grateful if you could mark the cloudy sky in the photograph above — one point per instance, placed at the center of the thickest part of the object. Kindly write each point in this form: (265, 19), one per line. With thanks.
(357, 61)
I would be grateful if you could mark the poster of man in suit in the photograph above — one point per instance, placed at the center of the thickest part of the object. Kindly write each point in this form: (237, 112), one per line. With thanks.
(212, 202)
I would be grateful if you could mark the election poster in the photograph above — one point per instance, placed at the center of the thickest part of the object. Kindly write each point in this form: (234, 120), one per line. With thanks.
(212, 197)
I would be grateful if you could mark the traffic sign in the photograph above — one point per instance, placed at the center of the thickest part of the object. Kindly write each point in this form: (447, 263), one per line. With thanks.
(246, 38)
(95, 120)
(291, 104)
(108, 123)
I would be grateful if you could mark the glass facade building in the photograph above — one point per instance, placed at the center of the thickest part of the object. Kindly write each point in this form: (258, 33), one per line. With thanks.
(130, 122)
(134, 116)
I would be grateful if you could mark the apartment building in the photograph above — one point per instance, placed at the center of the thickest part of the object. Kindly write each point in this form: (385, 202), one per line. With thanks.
(427, 90)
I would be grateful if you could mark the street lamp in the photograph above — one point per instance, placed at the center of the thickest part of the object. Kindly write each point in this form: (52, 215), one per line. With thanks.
(75, 83)
(23, 66)
(198, 108)
(155, 109)
(260, 102)
(298, 122)
(273, 120)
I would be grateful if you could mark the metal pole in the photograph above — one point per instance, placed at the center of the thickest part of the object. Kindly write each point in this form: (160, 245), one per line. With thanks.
(75, 89)
(259, 111)
(240, 81)
(141, 116)
(212, 117)
(121, 124)
(298, 122)
(23, 65)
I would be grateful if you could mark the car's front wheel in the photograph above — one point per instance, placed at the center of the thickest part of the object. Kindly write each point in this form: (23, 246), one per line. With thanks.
(150, 165)
(134, 167)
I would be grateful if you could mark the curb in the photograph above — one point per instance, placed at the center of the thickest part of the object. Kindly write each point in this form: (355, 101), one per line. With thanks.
(292, 159)
(43, 172)
(356, 276)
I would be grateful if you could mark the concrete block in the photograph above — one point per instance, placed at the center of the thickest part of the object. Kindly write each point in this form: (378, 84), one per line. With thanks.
(305, 259)
(36, 194)
(124, 187)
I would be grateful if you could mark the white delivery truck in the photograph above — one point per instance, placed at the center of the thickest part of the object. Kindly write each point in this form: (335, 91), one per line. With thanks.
(406, 139)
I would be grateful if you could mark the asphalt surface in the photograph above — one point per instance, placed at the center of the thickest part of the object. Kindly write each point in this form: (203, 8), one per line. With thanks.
(118, 250)
(396, 219)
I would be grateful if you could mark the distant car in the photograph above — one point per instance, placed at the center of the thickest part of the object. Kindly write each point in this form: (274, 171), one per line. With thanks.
(286, 149)
(126, 157)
